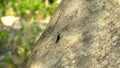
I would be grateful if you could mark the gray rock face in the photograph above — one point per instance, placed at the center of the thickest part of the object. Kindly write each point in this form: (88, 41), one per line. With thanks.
(81, 34)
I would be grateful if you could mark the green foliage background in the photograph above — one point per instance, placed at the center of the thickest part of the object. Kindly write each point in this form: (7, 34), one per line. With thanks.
(16, 45)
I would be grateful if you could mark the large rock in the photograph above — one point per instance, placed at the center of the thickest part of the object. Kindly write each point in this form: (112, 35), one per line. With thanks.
(81, 34)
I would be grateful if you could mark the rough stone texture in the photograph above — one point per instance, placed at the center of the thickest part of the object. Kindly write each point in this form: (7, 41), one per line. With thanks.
(81, 34)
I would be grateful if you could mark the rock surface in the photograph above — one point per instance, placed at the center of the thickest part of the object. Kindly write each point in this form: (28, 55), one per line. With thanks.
(81, 34)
